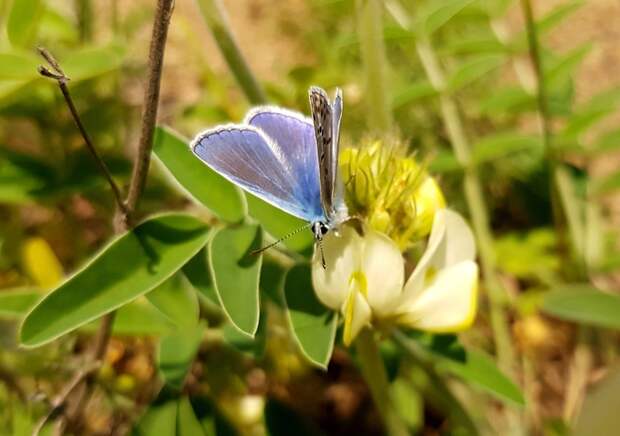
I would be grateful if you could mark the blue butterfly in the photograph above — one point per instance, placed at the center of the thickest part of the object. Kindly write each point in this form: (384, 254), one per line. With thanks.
(285, 159)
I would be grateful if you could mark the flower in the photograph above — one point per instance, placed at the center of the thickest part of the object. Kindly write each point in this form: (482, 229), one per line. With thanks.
(364, 279)
(391, 190)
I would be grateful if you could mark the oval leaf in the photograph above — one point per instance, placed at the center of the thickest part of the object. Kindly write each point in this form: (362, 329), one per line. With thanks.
(313, 325)
(479, 369)
(16, 302)
(176, 354)
(584, 304)
(235, 272)
(176, 300)
(130, 266)
(279, 223)
(187, 422)
(23, 21)
(201, 183)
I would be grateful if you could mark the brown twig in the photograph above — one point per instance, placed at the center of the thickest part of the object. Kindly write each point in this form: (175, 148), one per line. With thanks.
(62, 79)
(163, 14)
(151, 98)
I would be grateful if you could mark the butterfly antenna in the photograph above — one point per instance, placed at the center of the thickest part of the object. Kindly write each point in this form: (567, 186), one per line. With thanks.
(284, 238)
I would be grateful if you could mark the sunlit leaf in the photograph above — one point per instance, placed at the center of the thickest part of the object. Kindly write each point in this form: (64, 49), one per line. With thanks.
(479, 369)
(606, 184)
(557, 71)
(509, 99)
(91, 62)
(474, 45)
(584, 304)
(412, 93)
(503, 144)
(23, 21)
(160, 419)
(198, 180)
(176, 300)
(473, 69)
(129, 266)
(557, 15)
(187, 423)
(313, 324)
(235, 273)
(439, 13)
(278, 224)
(176, 353)
(608, 142)
(18, 65)
(15, 302)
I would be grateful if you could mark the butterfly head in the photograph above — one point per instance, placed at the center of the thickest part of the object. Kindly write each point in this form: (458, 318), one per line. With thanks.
(319, 229)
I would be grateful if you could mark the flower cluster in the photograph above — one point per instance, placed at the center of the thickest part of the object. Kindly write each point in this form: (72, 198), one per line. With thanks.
(399, 204)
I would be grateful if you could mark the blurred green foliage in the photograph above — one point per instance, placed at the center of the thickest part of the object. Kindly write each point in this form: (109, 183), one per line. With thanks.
(213, 325)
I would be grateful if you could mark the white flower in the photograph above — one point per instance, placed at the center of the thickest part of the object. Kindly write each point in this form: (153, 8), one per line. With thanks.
(364, 279)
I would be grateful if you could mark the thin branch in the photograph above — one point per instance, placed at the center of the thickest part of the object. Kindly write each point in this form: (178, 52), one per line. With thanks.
(163, 14)
(62, 79)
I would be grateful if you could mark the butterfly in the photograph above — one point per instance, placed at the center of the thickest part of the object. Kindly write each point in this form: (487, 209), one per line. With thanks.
(284, 158)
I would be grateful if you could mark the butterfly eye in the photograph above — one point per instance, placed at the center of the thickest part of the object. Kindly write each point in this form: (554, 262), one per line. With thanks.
(324, 229)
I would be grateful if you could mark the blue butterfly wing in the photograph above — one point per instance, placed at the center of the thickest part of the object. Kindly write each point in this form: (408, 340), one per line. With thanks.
(247, 157)
(294, 135)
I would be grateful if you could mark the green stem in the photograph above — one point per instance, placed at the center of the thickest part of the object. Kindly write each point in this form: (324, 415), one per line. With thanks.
(448, 400)
(374, 373)
(372, 46)
(214, 15)
(475, 201)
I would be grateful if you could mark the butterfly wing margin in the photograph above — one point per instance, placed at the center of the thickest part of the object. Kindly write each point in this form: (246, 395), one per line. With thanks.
(245, 156)
(322, 117)
(293, 134)
(338, 194)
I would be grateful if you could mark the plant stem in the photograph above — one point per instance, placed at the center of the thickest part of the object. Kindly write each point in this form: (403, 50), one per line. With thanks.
(163, 13)
(214, 15)
(138, 180)
(374, 373)
(446, 396)
(60, 77)
(370, 33)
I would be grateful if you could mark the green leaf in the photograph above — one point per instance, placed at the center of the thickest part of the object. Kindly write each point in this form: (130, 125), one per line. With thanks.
(22, 177)
(279, 223)
(557, 71)
(608, 142)
(197, 272)
(15, 302)
(407, 402)
(93, 61)
(139, 318)
(479, 369)
(487, 43)
(584, 304)
(176, 300)
(176, 353)
(444, 162)
(23, 21)
(557, 15)
(510, 99)
(18, 65)
(199, 181)
(473, 69)
(313, 325)
(187, 423)
(235, 272)
(128, 267)
(415, 91)
(440, 13)
(503, 144)
(159, 420)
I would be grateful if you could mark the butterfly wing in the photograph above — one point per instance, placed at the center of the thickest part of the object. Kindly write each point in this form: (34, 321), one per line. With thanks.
(247, 157)
(294, 135)
(322, 116)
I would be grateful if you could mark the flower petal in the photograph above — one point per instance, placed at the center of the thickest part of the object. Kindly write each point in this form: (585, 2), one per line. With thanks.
(343, 257)
(448, 304)
(356, 313)
(460, 243)
(382, 264)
